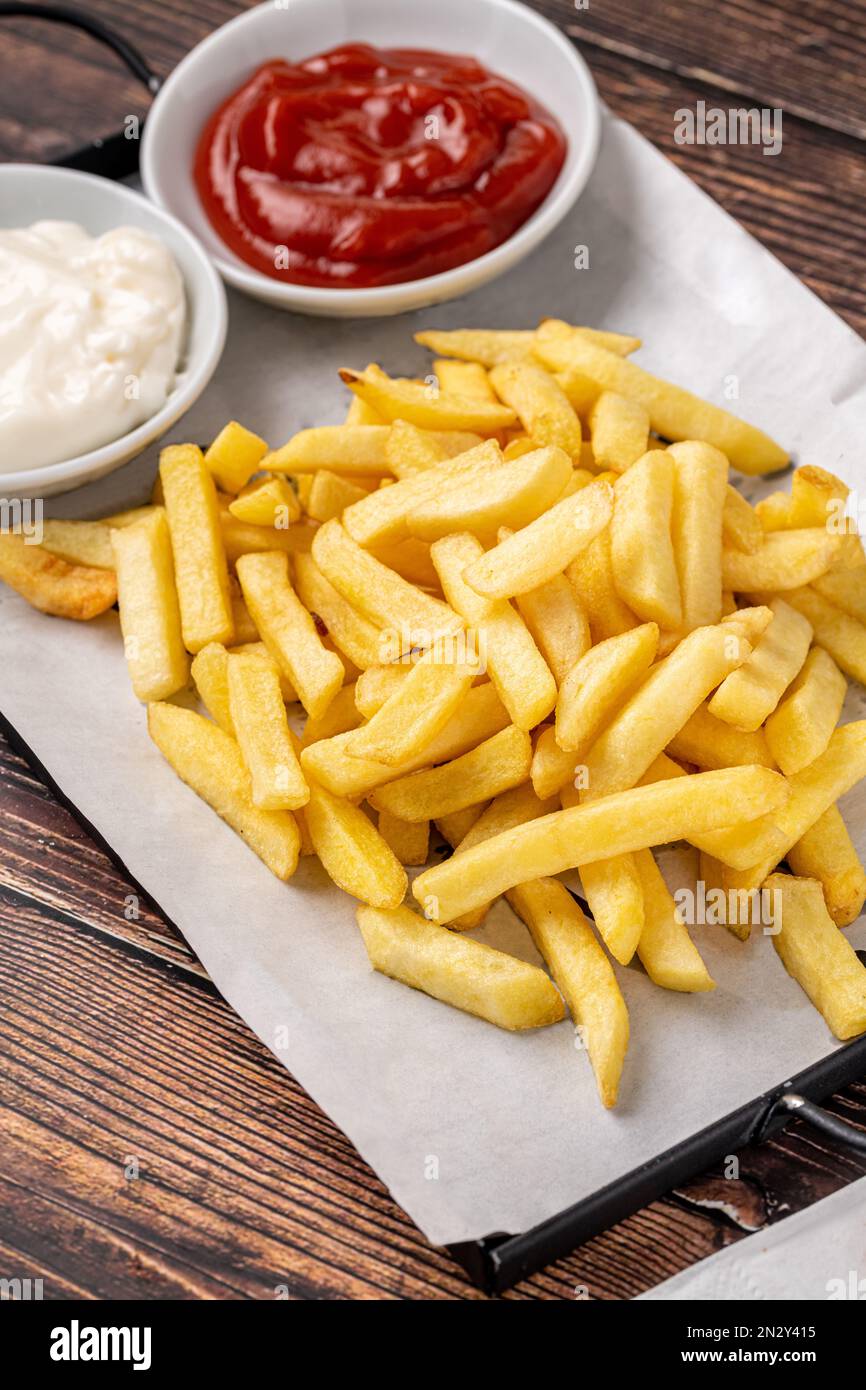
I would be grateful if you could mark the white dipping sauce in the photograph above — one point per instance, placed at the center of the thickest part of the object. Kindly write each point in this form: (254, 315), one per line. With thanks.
(91, 330)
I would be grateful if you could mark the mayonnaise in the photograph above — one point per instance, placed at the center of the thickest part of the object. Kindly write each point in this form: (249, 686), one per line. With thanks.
(91, 330)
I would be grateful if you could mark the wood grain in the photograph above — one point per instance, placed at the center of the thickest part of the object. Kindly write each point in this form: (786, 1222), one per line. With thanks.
(116, 1045)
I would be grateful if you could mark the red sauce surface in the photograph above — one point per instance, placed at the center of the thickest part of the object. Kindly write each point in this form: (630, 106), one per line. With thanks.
(372, 166)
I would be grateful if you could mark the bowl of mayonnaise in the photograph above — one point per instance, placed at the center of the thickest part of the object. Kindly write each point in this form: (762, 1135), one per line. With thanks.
(112, 322)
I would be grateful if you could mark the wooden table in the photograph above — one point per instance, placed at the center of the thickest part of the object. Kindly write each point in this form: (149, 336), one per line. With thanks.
(150, 1147)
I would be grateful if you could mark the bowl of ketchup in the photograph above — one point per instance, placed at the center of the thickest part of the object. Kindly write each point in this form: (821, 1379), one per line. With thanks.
(415, 155)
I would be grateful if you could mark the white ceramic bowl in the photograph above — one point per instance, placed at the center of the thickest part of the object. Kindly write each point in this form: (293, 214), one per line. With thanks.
(29, 193)
(506, 37)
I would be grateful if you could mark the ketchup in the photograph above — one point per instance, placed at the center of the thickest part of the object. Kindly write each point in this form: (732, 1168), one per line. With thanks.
(366, 166)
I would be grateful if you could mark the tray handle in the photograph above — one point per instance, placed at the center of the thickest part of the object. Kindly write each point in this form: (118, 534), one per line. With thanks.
(792, 1103)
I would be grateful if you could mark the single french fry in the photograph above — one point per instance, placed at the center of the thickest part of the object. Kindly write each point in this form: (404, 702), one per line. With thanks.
(752, 852)
(583, 973)
(200, 568)
(508, 494)
(409, 617)
(349, 450)
(494, 766)
(819, 956)
(407, 400)
(620, 430)
(463, 379)
(674, 412)
(210, 674)
(591, 577)
(599, 685)
(481, 715)
(671, 693)
(710, 743)
(741, 525)
(846, 591)
(545, 547)
(267, 501)
(800, 728)
(258, 648)
(412, 450)
(459, 971)
(382, 517)
(341, 715)
(354, 634)
(149, 614)
(359, 413)
(241, 538)
(615, 897)
(418, 709)
(641, 548)
(411, 560)
(234, 457)
(786, 560)
(553, 768)
(540, 403)
(617, 824)
(516, 667)
(261, 728)
(50, 584)
(748, 696)
(826, 852)
(409, 840)
(330, 495)
(377, 684)
(288, 631)
(700, 490)
(85, 543)
(837, 632)
(623, 344)
(455, 827)
(556, 623)
(352, 851)
(666, 951)
(210, 762)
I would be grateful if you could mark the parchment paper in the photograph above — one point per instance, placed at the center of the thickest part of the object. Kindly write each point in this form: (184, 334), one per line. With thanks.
(474, 1130)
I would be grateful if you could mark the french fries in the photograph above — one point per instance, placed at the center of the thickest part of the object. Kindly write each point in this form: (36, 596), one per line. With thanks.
(533, 530)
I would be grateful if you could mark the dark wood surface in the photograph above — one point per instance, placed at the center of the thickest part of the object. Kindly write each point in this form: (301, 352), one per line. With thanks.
(150, 1146)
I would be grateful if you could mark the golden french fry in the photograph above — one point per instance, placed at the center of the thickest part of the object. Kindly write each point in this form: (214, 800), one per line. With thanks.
(508, 494)
(553, 768)
(487, 346)
(641, 548)
(349, 450)
(800, 728)
(149, 614)
(667, 952)
(669, 696)
(341, 715)
(786, 560)
(826, 852)
(359, 413)
(495, 765)
(819, 957)
(377, 684)
(200, 568)
(752, 852)
(351, 850)
(514, 807)
(615, 897)
(245, 630)
(50, 584)
(288, 631)
(269, 501)
(383, 516)
(210, 672)
(700, 489)
(240, 538)
(545, 547)
(540, 403)
(408, 400)
(463, 379)
(258, 717)
(458, 970)
(418, 709)
(516, 667)
(674, 413)
(733, 911)
(210, 762)
(234, 457)
(618, 824)
(412, 450)
(846, 591)
(355, 635)
(408, 617)
(748, 696)
(481, 715)
(330, 495)
(591, 577)
(599, 685)
(409, 840)
(741, 525)
(837, 632)
(86, 543)
(620, 431)
(583, 973)
(454, 828)
(710, 743)
(126, 518)
(258, 648)
(623, 344)
(556, 623)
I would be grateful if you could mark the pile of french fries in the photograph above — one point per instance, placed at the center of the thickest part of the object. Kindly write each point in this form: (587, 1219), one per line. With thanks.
(522, 611)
